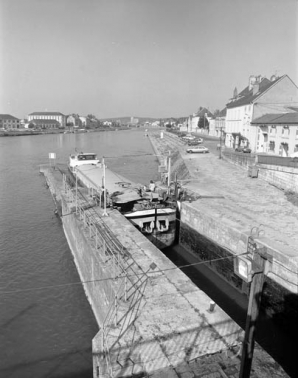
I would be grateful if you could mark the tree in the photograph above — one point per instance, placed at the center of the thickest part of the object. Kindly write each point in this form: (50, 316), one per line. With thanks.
(216, 113)
(203, 123)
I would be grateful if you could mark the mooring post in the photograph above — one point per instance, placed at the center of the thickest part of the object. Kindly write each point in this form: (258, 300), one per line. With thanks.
(255, 297)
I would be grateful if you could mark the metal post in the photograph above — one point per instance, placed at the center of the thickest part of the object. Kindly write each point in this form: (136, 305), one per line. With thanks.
(76, 190)
(105, 191)
(220, 145)
(254, 303)
(169, 173)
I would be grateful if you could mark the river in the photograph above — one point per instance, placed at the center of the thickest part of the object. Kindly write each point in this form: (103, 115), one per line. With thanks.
(47, 332)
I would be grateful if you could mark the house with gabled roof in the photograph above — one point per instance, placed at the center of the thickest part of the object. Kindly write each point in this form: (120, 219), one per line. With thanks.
(261, 96)
(9, 122)
(193, 120)
(278, 133)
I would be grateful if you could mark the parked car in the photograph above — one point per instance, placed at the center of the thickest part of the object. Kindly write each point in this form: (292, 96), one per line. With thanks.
(195, 142)
(188, 137)
(198, 149)
(243, 149)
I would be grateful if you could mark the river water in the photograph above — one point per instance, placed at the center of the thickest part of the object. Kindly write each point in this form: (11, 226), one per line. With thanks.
(47, 332)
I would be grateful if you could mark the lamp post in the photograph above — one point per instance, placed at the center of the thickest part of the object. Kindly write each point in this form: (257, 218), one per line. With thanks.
(220, 142)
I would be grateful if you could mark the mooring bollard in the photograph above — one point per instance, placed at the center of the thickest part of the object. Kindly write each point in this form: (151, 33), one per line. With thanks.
(211, 306)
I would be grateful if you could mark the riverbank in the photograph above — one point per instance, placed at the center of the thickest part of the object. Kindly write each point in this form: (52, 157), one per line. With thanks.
(25, 132)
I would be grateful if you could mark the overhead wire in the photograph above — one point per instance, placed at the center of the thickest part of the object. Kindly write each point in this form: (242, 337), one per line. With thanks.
(120, 276)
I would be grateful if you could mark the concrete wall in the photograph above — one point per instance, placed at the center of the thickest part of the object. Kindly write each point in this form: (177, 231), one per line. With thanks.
(168, 143)
(285, 178)
(209, 238)
(89, 265)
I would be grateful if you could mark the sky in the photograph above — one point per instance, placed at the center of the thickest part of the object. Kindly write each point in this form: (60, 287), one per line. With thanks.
(141, 58)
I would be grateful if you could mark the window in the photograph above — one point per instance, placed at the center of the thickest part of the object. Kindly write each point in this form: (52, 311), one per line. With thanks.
(285, 130)
(272, 146)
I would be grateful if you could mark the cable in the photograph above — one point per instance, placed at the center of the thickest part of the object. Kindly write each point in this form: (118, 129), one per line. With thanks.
(112, 278)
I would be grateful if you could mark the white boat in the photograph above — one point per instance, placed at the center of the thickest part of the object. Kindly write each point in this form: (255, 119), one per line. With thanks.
(150, 212)
(82, 158)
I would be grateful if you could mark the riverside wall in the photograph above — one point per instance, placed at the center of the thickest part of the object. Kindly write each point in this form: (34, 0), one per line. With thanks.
(152, 319)
(211, 238)
(284, 178)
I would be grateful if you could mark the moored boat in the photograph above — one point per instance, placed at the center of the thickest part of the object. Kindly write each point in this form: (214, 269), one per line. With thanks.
(149, 211)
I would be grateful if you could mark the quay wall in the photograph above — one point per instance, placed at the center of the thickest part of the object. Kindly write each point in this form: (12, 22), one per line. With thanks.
(285, 178)
(282, 177)
(209, 238)
(167, 146)
(90, 268)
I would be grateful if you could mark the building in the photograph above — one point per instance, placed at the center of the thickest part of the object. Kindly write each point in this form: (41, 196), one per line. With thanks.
(43, 124)
(73, 120)
(53, 116)
(260, 97)
(194, 120)
(220, 123)
(9, 122)
(277, 133)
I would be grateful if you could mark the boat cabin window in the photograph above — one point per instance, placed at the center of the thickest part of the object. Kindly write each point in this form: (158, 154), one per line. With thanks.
(86, 157)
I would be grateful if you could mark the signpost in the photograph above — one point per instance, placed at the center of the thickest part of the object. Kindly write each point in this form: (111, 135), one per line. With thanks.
(52, 157)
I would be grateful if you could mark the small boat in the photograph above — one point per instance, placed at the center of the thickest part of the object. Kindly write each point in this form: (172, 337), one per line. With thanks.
(152, 213)
(82, 158)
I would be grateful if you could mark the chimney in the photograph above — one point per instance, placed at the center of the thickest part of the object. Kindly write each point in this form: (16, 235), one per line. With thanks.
(251, 81)
(255, 88)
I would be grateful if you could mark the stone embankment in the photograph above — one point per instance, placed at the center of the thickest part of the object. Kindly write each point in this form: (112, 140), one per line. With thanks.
(153, 320)
(151, 316)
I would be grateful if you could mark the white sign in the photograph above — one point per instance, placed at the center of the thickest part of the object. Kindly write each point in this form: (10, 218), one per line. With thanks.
(52, 155)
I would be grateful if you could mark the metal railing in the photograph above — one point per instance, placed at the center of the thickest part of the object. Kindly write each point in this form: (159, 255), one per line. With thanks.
(278, 160)
(127, 286)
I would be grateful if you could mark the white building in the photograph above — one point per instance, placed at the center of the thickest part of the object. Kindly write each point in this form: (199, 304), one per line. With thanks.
(53, 116)
(260, 97)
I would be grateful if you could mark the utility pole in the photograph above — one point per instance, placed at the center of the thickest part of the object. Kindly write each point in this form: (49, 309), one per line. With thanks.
(258, 266)
(76, 173)
(169, 172)
(220, 142)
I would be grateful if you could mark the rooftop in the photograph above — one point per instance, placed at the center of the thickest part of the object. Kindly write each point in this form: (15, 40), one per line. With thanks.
(247, 96)
(7, 116)
(46, 113)
(277, 119)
